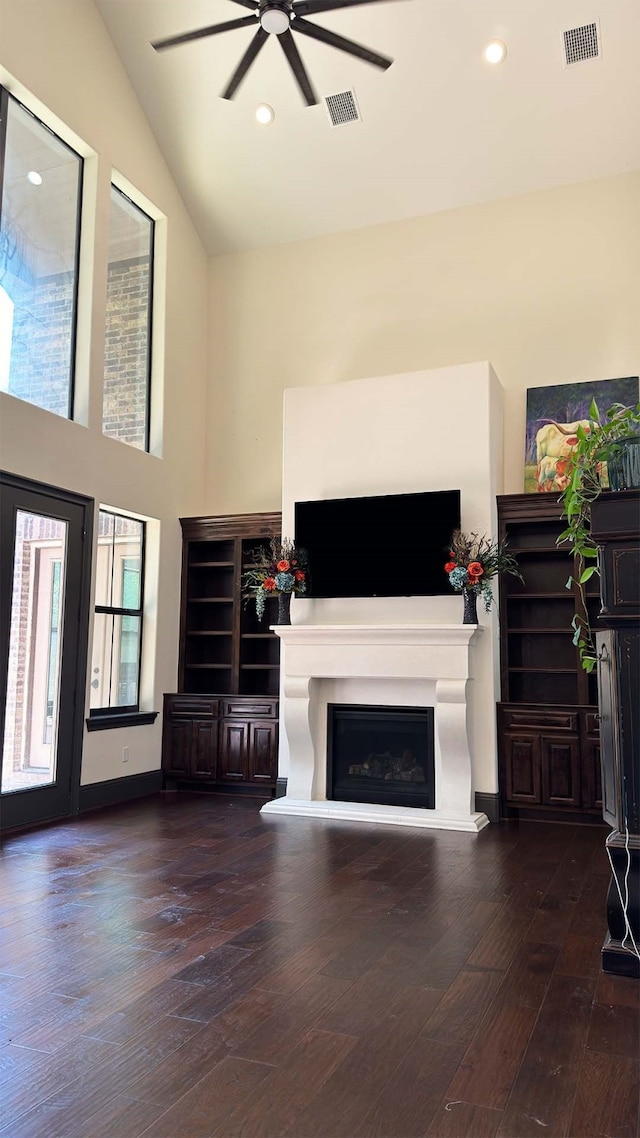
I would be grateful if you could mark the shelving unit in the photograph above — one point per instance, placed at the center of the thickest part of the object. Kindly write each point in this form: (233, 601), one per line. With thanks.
(224, 652)
(548, 715)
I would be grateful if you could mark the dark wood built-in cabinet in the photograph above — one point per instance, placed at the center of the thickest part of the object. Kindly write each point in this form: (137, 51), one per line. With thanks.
(615, 529)
(221, 727)
(548, 718)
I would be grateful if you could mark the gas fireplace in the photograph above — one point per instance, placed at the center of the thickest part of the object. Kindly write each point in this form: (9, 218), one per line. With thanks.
(381, 755)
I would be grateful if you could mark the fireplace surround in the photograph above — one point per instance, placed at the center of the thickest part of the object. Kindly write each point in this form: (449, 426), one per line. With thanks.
(420, 665)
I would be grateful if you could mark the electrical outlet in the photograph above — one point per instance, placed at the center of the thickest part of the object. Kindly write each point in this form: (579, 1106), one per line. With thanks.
(125, 754)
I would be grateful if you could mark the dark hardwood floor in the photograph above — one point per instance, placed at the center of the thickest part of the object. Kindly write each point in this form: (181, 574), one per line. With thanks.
(183, 968)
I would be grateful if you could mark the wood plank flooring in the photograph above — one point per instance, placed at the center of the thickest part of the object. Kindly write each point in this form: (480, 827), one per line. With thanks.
(183, 968)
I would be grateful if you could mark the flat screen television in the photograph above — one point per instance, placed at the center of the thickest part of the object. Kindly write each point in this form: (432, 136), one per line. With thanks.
(393, 545)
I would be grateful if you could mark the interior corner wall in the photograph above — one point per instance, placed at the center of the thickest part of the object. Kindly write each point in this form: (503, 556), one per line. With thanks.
(545, 286)
(59, 59)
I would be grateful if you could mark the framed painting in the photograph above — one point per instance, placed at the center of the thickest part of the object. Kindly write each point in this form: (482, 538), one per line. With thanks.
(553, 417)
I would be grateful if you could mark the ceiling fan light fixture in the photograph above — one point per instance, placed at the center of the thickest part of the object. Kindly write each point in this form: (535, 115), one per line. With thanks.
(495, 51)
(274, 18)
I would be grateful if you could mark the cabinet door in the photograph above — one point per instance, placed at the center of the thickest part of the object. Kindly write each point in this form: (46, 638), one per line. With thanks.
(591, 779)
(176, 757)
(521, 766)
(262, 752)
(233, 762)
(561, 770)
(204, 743)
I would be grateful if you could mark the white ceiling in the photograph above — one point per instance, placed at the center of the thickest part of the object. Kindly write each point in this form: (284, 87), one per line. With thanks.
(440, 128)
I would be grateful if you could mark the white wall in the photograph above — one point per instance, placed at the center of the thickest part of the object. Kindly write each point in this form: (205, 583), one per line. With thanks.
(545, 286)
(431, 430)
(58, 58)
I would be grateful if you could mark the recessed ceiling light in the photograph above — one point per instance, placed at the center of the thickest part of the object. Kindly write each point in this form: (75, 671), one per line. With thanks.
(265, 114)
(34, 177)
(495, 51)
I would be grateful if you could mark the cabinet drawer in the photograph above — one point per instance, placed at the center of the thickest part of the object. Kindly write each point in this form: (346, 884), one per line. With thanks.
(250, 708)
(191, 707)
(557, 720)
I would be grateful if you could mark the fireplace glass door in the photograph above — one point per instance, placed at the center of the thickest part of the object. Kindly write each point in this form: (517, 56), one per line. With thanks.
(382, 755)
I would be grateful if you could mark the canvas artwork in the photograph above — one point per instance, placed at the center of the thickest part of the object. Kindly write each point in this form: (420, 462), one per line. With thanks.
(553, 417)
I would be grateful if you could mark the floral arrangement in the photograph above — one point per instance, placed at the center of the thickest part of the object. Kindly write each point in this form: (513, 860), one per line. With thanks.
(474, 560)
(278, 568)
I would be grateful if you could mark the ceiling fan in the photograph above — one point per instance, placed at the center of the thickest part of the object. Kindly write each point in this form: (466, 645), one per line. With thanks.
(279, 18)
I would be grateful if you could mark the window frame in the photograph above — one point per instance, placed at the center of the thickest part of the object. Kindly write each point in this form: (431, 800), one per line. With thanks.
(5, 99)
(124, 715)
(150, 312)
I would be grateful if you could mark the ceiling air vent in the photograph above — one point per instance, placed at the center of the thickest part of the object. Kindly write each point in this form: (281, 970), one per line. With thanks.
(342, 108)
(581, 43)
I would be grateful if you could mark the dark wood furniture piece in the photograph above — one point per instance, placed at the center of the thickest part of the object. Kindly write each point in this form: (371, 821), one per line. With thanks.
(221, 727)
(548, 739)
(615, 528)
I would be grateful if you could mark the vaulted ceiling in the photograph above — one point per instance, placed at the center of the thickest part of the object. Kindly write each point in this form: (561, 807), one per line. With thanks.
(439, 129)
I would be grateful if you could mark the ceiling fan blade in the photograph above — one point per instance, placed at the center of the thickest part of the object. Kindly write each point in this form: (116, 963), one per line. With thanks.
(257, 42)
(202, 33)
(343, 44)
(310, 7)
(297, 66)
(253, 4)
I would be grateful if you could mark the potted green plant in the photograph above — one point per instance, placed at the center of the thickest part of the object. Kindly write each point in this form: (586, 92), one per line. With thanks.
(607, 453)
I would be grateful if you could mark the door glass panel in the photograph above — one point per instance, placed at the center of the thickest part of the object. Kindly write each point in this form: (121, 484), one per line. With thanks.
(115, 663)
(33, 689)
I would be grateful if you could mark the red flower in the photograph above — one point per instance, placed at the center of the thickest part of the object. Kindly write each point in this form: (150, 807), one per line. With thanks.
(269, 584)
(449, 566)
(299, 575)
(283, 566)
(474, 569)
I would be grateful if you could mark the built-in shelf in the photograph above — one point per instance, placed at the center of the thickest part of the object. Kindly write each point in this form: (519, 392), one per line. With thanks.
(210, 600)
(211, 565)
(546, 671)
(564, 630)
(214, 632)
(566, 596)
(548, 748)
(534, 549)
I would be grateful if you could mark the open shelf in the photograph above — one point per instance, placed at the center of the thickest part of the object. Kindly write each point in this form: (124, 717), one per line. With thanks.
(546, 744)
(208, 632)
(210, 600)
(221, 636)
(211, 564)
(513, 630)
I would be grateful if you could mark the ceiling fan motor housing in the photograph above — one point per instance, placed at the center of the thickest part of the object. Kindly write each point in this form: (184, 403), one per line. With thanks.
(275, 17)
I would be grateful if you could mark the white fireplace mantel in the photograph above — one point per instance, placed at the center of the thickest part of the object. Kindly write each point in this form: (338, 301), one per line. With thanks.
(436, 655)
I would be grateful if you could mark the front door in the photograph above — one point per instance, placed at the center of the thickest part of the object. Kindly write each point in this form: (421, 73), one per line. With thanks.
(44, 606)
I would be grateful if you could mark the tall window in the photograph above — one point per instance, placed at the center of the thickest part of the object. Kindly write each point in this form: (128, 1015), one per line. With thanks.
(115, 665)
(127, 362)
(40, 196)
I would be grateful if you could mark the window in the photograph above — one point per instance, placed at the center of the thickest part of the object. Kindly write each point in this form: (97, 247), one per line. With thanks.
(117, 634)
(127, 361)
(40, 198)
